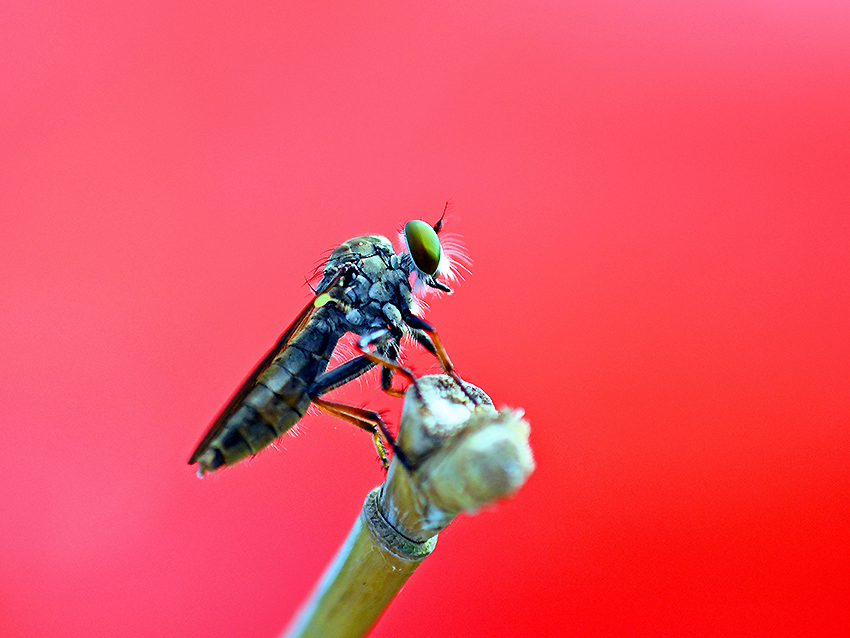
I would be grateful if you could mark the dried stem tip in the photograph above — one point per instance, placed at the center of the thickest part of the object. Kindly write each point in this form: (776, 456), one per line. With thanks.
(464, 455)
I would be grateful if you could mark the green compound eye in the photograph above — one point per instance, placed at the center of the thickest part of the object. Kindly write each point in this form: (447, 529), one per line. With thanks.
(424, 246)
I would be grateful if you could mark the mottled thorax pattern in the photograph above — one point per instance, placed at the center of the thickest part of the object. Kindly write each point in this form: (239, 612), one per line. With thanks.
(380, 291)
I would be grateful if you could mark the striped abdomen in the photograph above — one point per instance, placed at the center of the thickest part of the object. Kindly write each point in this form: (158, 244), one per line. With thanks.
(272, 401)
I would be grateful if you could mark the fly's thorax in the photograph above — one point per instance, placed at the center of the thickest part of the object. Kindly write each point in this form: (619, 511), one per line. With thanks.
(356, 249)
(379, 277)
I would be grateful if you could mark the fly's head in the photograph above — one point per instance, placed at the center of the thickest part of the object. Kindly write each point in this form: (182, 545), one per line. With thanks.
(427, 258)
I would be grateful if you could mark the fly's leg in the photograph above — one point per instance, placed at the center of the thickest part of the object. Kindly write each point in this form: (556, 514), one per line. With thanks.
(365, 419)
(392, 352)
(386, 356)
(435, 346)
(427, 335)
(368, 420)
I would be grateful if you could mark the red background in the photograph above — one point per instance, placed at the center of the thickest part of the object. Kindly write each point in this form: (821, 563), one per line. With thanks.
(656, 199)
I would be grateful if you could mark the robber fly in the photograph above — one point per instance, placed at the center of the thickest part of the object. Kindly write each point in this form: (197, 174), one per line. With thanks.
(365, 289)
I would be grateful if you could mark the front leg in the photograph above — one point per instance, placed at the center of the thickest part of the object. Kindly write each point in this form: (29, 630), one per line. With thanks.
(427, 335)
(435, 346)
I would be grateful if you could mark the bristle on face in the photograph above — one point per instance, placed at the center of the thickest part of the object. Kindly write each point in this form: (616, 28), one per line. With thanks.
(454, 259)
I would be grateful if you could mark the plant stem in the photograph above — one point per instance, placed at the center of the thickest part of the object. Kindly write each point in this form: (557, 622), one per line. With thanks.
(462, 455)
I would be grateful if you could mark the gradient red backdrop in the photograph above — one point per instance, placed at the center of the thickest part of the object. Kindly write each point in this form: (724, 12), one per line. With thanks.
(656, 197)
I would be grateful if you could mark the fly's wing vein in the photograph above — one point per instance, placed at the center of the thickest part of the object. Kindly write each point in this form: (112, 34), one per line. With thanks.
(234, 403)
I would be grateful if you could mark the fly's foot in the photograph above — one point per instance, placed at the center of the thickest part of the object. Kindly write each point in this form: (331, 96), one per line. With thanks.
(382, 450)
(463, 386)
